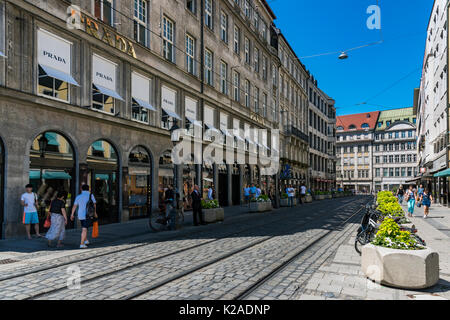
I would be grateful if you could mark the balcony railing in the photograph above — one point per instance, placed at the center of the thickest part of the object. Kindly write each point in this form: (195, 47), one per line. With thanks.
(291, 130)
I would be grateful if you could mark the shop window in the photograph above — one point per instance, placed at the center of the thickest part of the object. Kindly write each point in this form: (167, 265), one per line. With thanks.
(101, 101)
(139, 183)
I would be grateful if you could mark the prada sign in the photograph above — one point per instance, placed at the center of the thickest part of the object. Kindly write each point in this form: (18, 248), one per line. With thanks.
(79, 20)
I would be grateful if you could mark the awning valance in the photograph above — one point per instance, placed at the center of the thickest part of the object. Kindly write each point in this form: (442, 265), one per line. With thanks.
(194, 122)
(108, 92)
(172, 114)
(50, 175)
(444, 173)
(60, 75)
(144, 104)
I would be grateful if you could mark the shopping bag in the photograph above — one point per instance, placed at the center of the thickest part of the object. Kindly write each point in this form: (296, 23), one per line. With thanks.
(23, 218)
(95, 229)
(48, 222)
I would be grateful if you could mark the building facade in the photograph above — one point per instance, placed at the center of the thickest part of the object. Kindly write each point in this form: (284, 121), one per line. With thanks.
(322, 138)
(292, 86)
(394, 149)
(355, 136)
(432, 107)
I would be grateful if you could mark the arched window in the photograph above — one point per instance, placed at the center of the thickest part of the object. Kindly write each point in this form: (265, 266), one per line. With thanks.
(340, 128)
(352, 126)
(139, 183)
(365, 126)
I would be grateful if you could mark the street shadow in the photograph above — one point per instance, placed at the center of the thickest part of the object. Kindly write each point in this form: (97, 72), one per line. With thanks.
(324, 214)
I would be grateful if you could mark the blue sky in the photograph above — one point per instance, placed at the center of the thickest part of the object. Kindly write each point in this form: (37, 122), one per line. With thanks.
(319, 26)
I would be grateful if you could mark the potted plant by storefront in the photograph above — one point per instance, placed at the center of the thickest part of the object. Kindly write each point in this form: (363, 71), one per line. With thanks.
(396, 259)
(261, 204)
(308, 197)
(211, 211)
(320, 195)
(328, 195)
(284, 202)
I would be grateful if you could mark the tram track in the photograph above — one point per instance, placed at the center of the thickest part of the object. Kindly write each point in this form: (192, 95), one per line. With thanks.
(178, 275)
(140, 294)
(114, 251)
(216, 233)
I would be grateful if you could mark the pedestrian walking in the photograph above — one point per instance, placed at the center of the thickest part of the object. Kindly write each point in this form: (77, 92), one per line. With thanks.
(258, 191)
(84, 203)
(210, 193)
(291, 194)
(426, 199)
(58, 218)
(30, 216)
(411, 197)
(302, 193)
(252, 191)
(247, 194)
(400, 194)
(197, 206)
(168, 199)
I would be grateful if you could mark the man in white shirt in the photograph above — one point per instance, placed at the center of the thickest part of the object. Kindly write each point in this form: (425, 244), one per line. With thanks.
(302, 193)
(30, 215)
(210, 193)
(291, 193)
(81, 202)
(258, 191)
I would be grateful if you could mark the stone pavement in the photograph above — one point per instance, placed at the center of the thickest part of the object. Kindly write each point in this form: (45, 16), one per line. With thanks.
(340, 277)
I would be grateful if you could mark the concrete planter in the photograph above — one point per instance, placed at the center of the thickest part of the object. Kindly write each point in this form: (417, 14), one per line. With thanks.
(260, 206)
(320, 197)
(407, 269)
(308, 199)
(284, 202)
(213, 215)
(328, 196)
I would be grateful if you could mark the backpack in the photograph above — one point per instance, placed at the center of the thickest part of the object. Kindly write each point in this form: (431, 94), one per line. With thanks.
(90, 208)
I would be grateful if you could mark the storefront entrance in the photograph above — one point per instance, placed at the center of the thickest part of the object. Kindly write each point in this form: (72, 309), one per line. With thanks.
(103, 179)
(188, 185)
(223, 185)
(208, 179)
(139, 185)
(235, 186)
(165, 178)
(52, 168)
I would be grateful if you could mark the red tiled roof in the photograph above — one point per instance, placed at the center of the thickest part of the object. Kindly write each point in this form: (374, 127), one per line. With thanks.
(358, 120)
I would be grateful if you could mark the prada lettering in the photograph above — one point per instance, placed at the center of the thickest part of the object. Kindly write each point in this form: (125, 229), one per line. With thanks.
(54, 57)
(108, 36)
(103, 76)
(168, 102)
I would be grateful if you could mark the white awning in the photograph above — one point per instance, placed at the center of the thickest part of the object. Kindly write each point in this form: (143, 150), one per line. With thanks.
(266, 147)
(194, 122)
(144, 104)
(3, 55)
(60, 75)
(239, 137)
(227, 133)
(108, 92)
(171, 114)
(211, 127)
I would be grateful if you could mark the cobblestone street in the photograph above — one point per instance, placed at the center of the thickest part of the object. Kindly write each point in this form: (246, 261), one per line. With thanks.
(301, 253)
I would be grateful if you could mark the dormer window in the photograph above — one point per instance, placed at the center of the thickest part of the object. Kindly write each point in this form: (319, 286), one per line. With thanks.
(352, 127)
(365, 126)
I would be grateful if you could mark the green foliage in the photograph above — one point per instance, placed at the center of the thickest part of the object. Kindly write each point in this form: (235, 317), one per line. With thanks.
(284, 196)
(388, 205)
(210, 204)
(389, 235)
(261, 198)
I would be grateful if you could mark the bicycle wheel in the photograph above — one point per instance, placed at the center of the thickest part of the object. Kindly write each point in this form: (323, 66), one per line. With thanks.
(362, 239)
(419, 240)
(157, 221)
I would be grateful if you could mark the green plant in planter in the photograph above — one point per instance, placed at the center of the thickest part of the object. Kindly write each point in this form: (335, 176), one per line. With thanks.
(263, 198)
(284, 196)
(392, 209)
(210, 204)
(389, 235)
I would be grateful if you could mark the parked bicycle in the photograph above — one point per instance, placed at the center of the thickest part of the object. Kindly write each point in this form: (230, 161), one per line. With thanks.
(369, 227)
(167, 220)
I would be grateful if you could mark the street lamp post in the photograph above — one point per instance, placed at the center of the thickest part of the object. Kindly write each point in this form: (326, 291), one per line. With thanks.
(174, 137)
(43, 143)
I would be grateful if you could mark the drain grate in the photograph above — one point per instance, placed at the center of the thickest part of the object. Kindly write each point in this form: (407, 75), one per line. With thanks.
(6, 261)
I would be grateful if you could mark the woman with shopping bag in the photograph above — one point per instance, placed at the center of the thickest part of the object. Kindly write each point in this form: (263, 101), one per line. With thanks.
(58, 220)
